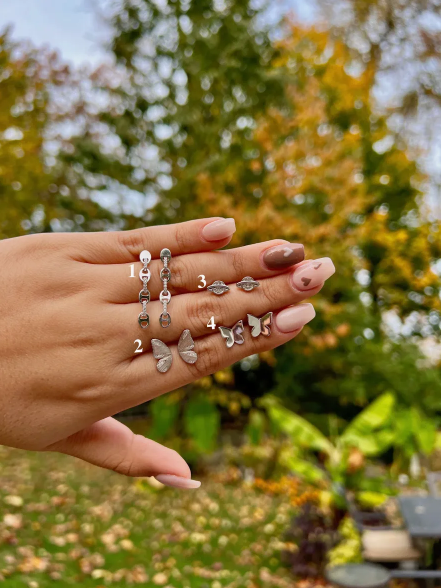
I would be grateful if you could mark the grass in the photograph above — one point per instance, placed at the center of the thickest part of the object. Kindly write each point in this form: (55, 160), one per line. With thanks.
(64, 523)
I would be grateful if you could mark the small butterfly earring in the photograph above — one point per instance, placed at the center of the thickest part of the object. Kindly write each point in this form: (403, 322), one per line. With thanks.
(233, 335)
(162, 353)
(186, 347)
(260, 326)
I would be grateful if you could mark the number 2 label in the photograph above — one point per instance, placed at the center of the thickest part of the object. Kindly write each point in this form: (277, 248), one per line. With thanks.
(139, 348)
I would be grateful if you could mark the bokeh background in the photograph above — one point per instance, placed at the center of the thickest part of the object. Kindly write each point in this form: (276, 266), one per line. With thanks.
(317, 122)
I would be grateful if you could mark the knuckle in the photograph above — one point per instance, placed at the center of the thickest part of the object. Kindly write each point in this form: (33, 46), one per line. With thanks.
(237, 262)
(273, 291)
(181, 275)
(182, 237)
(200, 311)
(131, 241)
(208, 358)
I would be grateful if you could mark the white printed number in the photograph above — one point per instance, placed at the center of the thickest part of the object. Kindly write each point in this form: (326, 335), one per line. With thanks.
(203, 280)
(139, 349)
(211, 323)
(132, 272)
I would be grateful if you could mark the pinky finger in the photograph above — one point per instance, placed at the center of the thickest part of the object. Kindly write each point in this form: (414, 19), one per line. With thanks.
(214, 355)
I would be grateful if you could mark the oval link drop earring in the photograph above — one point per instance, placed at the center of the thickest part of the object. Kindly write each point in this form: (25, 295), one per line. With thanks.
(165, 296)
(144, 295)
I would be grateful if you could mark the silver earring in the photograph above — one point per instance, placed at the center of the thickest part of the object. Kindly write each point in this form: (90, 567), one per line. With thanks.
(260, 326)
(186, 347)
(218, 287)
(165, 296)
(233, 335)
(248, 284)
(144, 295)
(162, 353)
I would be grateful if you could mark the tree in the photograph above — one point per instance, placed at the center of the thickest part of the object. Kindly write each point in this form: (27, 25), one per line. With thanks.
(36, 193)
(208, 114)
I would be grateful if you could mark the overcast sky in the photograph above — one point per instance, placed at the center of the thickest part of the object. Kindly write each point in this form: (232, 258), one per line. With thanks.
(68, 25)
(72, 25)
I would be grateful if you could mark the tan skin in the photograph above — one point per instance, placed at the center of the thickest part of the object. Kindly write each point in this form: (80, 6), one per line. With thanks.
(69, 321)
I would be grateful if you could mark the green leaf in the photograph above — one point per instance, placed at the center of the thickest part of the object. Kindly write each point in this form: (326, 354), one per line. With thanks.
(301, 432)
(371, 445)
(164, 411)
(369, 499)
(373, 417)
(256, 426)
(201, 422)
(424, 430)
(305, 469)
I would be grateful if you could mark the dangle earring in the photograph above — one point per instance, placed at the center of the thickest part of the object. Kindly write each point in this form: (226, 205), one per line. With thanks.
(165, 296)
(144, 295)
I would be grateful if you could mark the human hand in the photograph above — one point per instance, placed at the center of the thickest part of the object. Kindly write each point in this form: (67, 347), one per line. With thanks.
(69, 321)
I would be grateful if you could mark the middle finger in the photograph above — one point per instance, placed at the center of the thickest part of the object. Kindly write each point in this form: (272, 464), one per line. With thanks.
(200, 311)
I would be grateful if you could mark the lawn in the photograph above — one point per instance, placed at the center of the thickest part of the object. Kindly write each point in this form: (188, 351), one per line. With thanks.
(63, 523)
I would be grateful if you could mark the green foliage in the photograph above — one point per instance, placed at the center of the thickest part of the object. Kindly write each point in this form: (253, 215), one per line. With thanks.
(348, 550)
(164, 412)
(201, 423)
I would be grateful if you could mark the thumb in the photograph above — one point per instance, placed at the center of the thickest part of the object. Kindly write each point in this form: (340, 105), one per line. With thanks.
(111, 445)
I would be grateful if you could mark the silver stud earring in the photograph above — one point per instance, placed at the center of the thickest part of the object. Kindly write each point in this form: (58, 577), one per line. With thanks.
(165, 296)
(162, 353)
(233, 335)
(218, 287)
(260, 326)
(248, 284)
(186, 347)
(144, 295)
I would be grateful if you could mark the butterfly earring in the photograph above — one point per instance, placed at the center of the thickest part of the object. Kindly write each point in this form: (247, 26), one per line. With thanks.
(162, 352)
(260, 326)
(233, 335)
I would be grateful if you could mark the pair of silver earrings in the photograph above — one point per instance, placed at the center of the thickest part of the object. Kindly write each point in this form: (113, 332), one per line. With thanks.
(259, 326)
(247, 283)
(162, 352)
(144, 295)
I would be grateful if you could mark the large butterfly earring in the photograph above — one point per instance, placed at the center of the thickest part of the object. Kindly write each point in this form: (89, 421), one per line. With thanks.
(186, 347)
(233, 335)
(260, 326)
(162, 353)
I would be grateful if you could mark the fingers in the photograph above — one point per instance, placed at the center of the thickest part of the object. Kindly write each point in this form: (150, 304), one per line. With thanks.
(125, 246)
(195, 311)
(213, 355)
(259, 260)
(111, 445)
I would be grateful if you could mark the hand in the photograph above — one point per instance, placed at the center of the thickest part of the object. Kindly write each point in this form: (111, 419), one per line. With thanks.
(69, 321)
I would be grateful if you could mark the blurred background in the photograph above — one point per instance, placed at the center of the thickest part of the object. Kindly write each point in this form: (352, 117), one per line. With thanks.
(316, 122)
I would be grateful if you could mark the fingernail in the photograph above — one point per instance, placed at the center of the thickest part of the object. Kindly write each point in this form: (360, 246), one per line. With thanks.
(282, 256)
(313, 274)
(177, 481)
(294, 317)
(219, 229)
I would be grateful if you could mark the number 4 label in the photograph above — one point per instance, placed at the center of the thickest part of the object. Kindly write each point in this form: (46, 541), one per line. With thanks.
(211, 324)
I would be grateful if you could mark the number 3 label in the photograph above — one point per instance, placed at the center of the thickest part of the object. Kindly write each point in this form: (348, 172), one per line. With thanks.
(203, 280)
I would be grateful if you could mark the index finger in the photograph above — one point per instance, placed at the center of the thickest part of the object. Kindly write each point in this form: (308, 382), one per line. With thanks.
(125, 246)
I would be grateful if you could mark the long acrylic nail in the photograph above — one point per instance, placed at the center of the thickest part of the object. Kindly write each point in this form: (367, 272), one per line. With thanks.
(219, 229)
(313, 274)
(177, 481)
(283, 256)
(294, 317)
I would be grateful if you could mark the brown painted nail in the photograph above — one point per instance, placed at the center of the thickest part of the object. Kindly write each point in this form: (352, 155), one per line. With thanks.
(283, 256)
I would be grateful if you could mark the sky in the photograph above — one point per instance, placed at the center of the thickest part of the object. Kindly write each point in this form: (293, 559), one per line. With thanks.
(72, 26)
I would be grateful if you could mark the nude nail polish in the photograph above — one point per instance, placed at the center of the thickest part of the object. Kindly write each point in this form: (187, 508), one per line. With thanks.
(283, 256)
(312, 274)
(295, 317)
(177, 481)
(219, 229)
